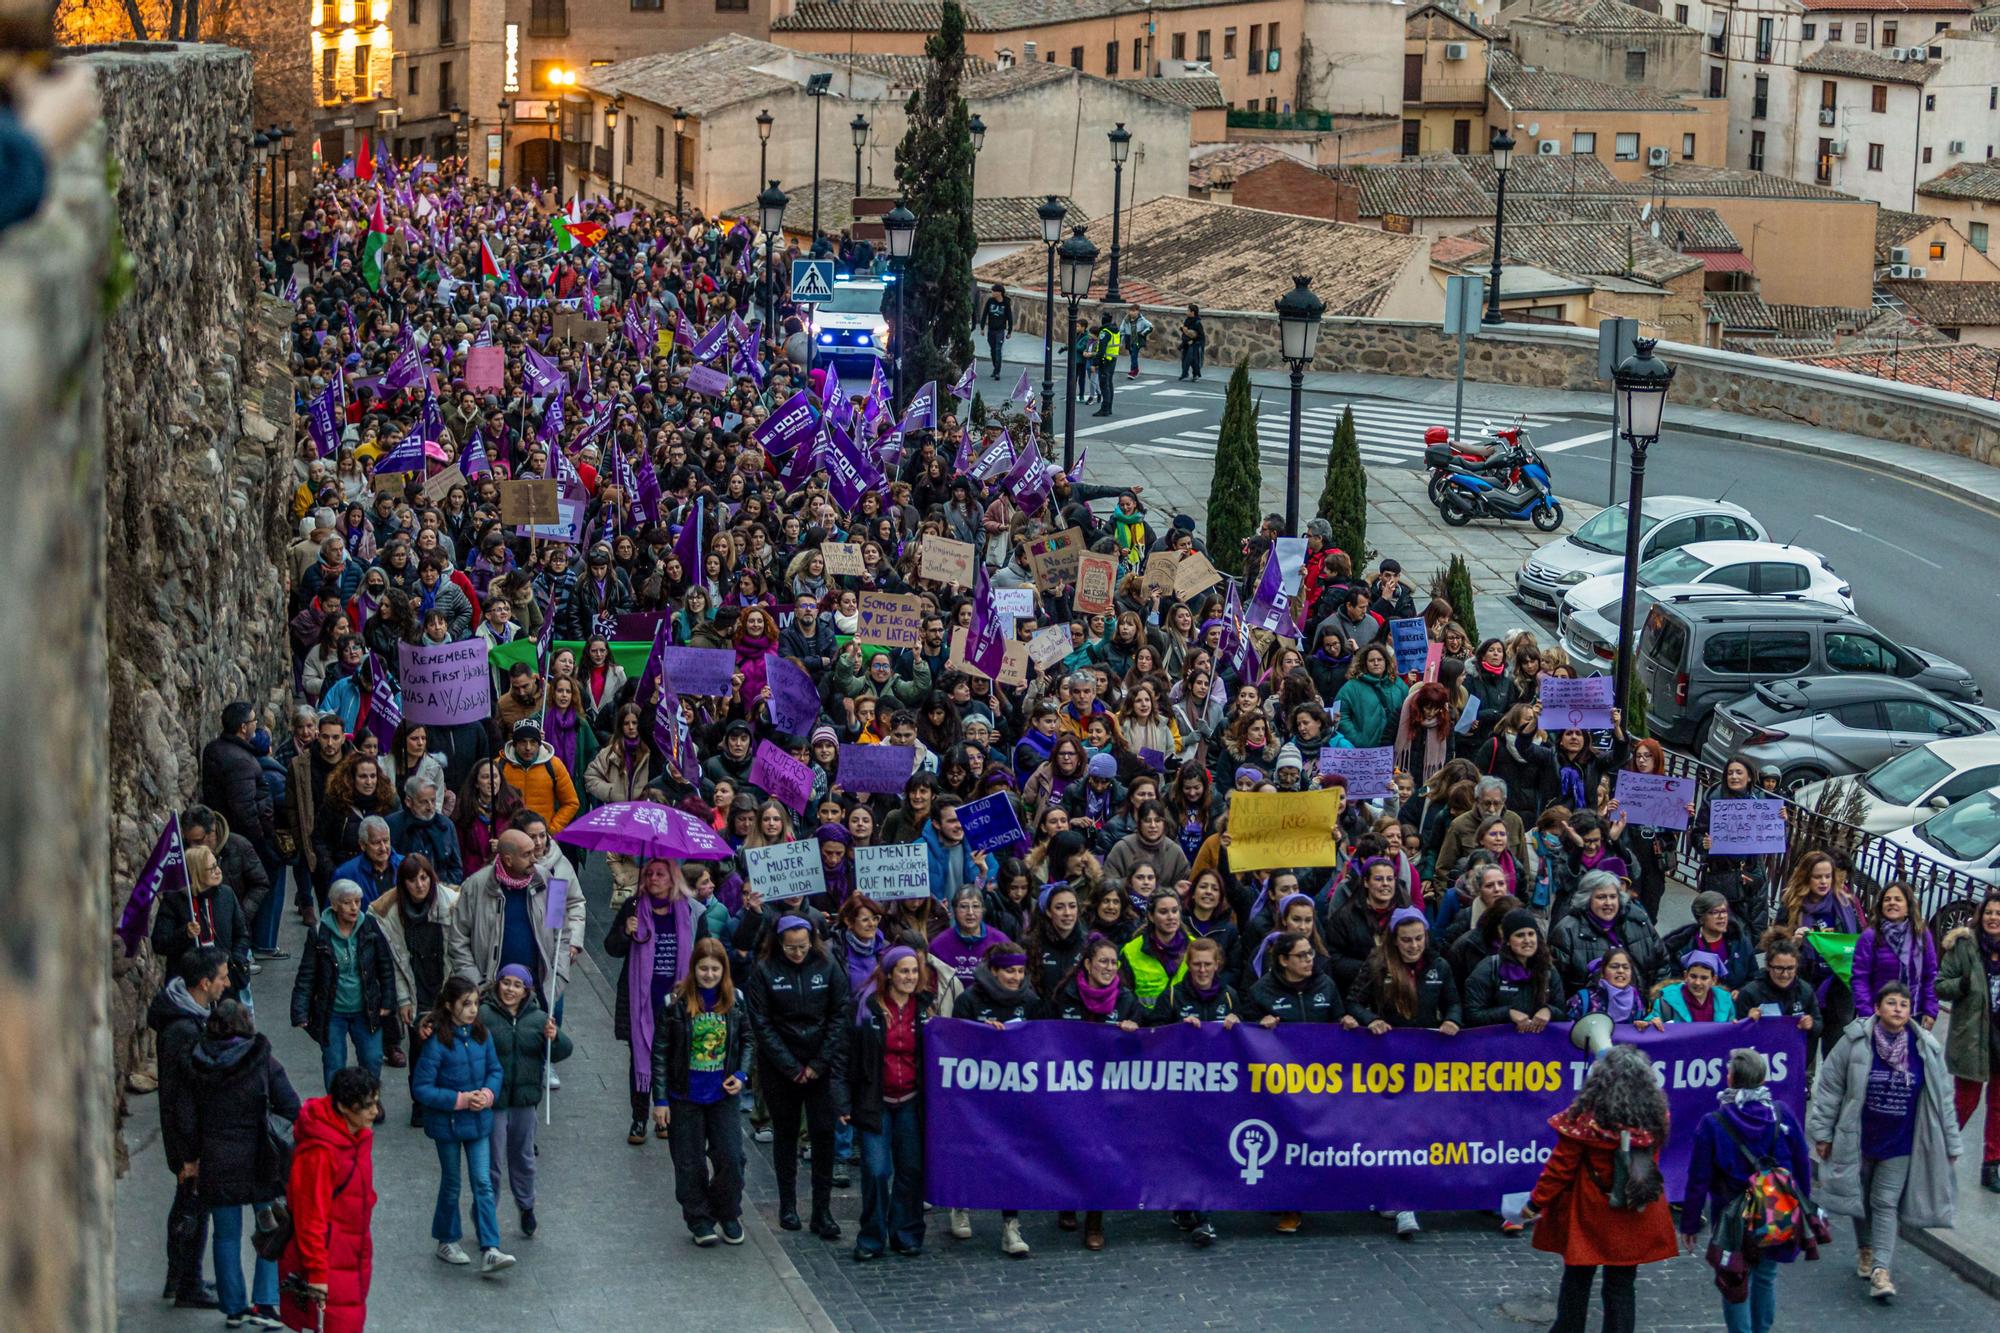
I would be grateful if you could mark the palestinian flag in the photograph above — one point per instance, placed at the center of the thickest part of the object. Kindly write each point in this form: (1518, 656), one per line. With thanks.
(489, 267)
(371, 248)
(560, 228)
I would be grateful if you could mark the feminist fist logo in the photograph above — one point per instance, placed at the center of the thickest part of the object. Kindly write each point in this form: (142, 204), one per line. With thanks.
(1251, 1144)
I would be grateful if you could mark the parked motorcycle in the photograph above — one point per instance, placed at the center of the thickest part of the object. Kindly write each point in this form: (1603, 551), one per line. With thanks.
(1513, 484)
(1443, 455)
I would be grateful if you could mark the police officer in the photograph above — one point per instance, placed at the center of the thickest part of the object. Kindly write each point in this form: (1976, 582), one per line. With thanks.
(1105, 355)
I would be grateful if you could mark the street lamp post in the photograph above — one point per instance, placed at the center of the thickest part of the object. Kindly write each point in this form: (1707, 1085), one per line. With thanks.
(1503, 157)
(260, 148)
(274, 141)
(553, 110)
(505, 107)
(680, 128)
(771, 213)
(1121, 148)
(763, 142)
(976, 131)
(461, 137)
(858, 127)
(1299, 314)
(816, 88)
(1079, 257)
(1051, 213)
(286, 134)
(901, 226)
(1641, 383)
(615, 109)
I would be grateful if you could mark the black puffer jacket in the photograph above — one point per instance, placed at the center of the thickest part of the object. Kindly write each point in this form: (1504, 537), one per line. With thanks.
(232, 783)
(1067, 1003)
(1178, 1003)
(232, 1084)
(987, 1001)
(857, 1092)
(177, 1026)
(1315, 1000)
(319, 974)
(1437, 997)
(1577, 943)
(1490, 997)
(579, 610)
(800, 1013)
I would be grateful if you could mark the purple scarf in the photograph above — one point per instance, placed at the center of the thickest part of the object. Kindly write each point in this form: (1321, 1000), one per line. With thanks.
(1608, 929)
(560, 729)
(1514, 971)
(1099, 1000)
(1893, 1051)
(640, 1002)
(1169, 953)
(1904, 941)
(860, 958)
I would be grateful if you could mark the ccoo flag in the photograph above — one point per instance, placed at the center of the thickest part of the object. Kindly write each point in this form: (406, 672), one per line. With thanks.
(165, 871)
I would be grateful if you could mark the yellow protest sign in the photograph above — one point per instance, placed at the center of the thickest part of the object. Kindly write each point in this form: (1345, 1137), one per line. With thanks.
(1282, 830)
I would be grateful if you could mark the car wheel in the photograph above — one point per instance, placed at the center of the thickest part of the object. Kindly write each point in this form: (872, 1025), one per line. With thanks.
(1958, 912)
(1701, 734)
(1803, 776)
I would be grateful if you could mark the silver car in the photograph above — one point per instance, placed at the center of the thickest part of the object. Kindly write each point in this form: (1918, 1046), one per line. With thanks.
(1819, 727)
(1667, 523)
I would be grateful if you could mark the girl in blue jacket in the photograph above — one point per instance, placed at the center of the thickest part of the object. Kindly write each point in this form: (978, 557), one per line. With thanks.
(456, 1081)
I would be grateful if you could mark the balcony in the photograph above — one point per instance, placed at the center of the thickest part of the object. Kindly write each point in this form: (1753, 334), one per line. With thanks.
(1453, 92)
(1763, 55)
(1318, 121)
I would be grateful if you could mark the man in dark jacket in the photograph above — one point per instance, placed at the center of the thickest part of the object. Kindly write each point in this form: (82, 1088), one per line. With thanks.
(420, 827)
(997, 320)
(810, 641)
(232, 781)
(177, 1015)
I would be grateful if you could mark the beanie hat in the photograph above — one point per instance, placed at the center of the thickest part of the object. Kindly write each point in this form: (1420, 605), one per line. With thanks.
(1703, 958)
(1519, 919)
(1289, 757)
(825, 734)
(1251, 771)
(1103, 766)
(1402, 914)
(518, 973)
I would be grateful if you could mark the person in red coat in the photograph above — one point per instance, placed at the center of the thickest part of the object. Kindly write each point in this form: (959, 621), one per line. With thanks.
(1571, 1205)
(327, 1266)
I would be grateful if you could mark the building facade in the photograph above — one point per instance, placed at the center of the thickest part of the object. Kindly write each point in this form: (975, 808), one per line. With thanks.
(1444, 83)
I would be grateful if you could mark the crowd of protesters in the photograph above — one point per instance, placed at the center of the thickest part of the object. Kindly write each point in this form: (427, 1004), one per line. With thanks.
(1500, 885)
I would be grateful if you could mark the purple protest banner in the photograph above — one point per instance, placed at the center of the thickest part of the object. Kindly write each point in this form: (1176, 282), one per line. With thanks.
(1653, 799)
(1409, 639)
(876, 769)
(787, 780)
(1746, 827)
(700, 379)
(165, 871)
(794, 699)
(1572, 704)
(1304, 1116)
(556, 910)
(445, 684)
(323, 421)
(704, 672)
(385, 712)
(991, 822)
(638, 626)
(788, 427)
(849, 474)
(1370, 773)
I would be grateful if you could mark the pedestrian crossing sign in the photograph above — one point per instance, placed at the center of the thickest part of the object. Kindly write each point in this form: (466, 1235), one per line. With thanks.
(812, 281)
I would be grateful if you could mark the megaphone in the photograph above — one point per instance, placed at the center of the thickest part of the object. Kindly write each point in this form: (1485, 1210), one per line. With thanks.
(1591, 1033)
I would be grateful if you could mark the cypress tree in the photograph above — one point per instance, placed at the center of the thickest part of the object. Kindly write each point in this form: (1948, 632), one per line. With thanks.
(1238, 485)
(934, 170)
(1454, 584)
(1343, 503)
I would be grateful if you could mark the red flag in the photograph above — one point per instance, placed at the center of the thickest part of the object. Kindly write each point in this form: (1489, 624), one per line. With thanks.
(364, 160)
(587, 233)
(489, 267)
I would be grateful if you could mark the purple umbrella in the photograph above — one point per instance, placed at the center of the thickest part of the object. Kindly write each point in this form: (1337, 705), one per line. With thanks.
(646, 829)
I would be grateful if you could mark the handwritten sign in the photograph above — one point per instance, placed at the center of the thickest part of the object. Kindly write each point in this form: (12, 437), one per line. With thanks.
(990, 822)
(1273, 829)
(794, 699)
(597, 332)
(897, 872)
(707, 673)
(890, 620)
(486, 368)
(788, 870)
(568, 323)
(1053, 555)
(700, 379)
(1408, 639)
(1157, 579)
(529, 501)
(1745, 827)
(946, 560)
(440, 486)
(1370, 772)
(1013, 661)
(1194, 576)
(842, 557)
(789, 781)
(1049, 646)
(1655, 800)
(1569, 705)
(876, 769)
(445, 684)
(1096, 577)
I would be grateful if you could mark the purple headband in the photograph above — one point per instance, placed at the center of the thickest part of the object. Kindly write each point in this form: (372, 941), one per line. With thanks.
(1286, 901)
(1403, 914)
(1048, 890)
(1009, 957)
(518, 973)
(786, 923)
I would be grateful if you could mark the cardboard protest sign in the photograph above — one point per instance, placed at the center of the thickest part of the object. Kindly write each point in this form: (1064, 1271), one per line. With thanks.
(445, 684)
(842, 557)
(440, 486)
(486, 368)
(1745, 827)
(597, 332)
(1013, 665)
(946, 560)
(1194, 576)
(528, 502)
(1096, 580)
(891, 621)
(1157, 579)
(568, 324)
(1653, 799)
(893, 873)
(1269, 830)
(567, 528)
(1052, 556)
(787, 870)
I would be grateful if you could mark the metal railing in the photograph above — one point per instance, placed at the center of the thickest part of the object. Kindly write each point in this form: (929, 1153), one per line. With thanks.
(1947, 897)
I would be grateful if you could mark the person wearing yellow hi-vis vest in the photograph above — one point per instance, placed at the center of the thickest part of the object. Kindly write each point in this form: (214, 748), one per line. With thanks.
(1156, 957)
(1104, 357)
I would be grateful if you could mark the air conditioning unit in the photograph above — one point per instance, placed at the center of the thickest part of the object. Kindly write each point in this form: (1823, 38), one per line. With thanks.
(1899, 255)
(1656, 157)
(1899, 53)
(1919, 272)
(1899, 270)
(1838, 148)
(1454, 50)
(1927, 53)
(1826, 115)
(1548, 148)
(1956, 148)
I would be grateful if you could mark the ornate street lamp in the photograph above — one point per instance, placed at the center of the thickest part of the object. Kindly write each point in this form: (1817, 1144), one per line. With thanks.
(1051, 213)
(1640, 384)
(1121, 149)
(1503, 157)
(1078, 257)
(771, 214)
(1299, 314)
(901, 226)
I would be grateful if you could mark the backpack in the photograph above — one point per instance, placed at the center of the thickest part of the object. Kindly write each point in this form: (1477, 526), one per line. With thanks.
(1773, 1209)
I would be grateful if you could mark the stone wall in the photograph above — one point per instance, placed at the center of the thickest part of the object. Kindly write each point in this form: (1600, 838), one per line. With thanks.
(197, 455)
(1554, 357)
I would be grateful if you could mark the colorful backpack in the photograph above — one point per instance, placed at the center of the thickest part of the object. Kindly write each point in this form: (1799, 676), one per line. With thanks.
(1774, 1208)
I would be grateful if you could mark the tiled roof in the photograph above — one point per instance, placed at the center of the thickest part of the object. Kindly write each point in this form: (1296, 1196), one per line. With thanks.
(701, 80)
(1229, 161)
(1001, 218)
(1893, 6)
(1819, 321)
(1690, 229)
(873, 16)
(1610, 16)
(1231, 258)
(1967, 180)
(1741, 312)
(1893, 228)
(1854, 62)
(1687, 178)
(1524, 88)
(1427, 189)
(1607, 249)
(1437, 21)
(1568, 175)
(1950, 305)
(1197, 94)
(1953, 367)
(1013, 217)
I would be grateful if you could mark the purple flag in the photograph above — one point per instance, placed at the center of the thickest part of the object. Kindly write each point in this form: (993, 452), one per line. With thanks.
(684, 334)
(622, 220)
(1236, 637)
(323, 421)
(1075, 474)
(433, 417)
(794, 698)
(805, 461)
(963, 389)
(407, 456)
(710, 344)
(848, 470)
(1023, 390)
(831, 394)
(785, 429)
(997, 460)
(385, 708)
(688, 545)
(648, 484)
(552, 417)
(291, 292)
(922, 410)
(540, 374)
(407, 369)
(165, 871)
(744, 362)
(985, 641)
(472, 460)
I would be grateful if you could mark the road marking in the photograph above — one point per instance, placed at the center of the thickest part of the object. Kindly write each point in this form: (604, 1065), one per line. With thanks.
(1595, 437)
(1862, 532)
(1188, 393)
(1138, 421)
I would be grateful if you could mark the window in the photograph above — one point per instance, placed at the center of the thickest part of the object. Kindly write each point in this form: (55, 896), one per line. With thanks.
(1687, 148)
(1726, 528)
(1859, 717)
(1860, 652)
(1878, 98)
(684, 156)
(1937, 250)
(1413, 137)
(1993, 99)
(1271, 105)
(1861, 33)
(647, 4)
(1076, 57)
(1273, 57)
(1780, 576)
(1808, 32)
(1914, 715)
(1229, 43)
(1715, 88)
(1766, 653)
(410, 79)
(1673, 536)
(1940, 28)
(659, 150)
(548, 18)
(1764, 37)
(1733, 576)
(1111, 59)
(1930, 101)
(1874, 157)
(1139, 58)
(1680, 14)
(416, 12)
(362, 55)
(1760, 97)
(1927, 155)
(1635, 67)
(447, 26)
(1888, 34)
(1461, 136)
(1051, 56)
(446, 95)
(732, 5)
(1833, 32)
(1178, 45)
(1823, 167)
(1201, 45)
(1257, 46)
(631, 133)
(328, 66)
(1829, 93)
(1976, 233)
(1583, 141)
(1756, 150)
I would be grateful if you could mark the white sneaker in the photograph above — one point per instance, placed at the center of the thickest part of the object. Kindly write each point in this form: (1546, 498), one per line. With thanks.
(450, 1252)
(961, 1224)
(1406, 1225)
(555, 1079)
(761, 1135)
(492, 1261)
(1011, 1243)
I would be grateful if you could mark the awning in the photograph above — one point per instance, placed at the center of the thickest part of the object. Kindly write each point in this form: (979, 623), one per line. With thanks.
(1725, 261)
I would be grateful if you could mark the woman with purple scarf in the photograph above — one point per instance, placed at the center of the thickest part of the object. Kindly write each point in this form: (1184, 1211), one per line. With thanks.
(654, 933)
(1815, 898)
(1095, 992)
(1611, 988)
(836, 857)
(1896, 947)
(959, 946)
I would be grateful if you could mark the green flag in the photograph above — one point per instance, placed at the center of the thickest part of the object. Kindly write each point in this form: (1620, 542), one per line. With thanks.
(1836, 950)
(503, 658)
(372, 247)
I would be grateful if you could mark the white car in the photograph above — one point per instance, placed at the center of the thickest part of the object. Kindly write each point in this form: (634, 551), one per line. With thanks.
(1916, 784)
(1667, 523)
(1587, 615)
(853, 328)
(1964, 837)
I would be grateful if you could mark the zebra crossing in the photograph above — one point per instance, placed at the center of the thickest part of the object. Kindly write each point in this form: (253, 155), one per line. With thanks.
(1386, 432)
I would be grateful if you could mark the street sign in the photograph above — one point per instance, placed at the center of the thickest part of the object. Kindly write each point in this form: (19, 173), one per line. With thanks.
(1464, 302)
(812, 281)
(1614, 344)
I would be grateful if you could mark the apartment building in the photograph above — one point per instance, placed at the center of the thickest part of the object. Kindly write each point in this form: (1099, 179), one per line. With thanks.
(1606, 40)
(1631, 129)
(1444, 83)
